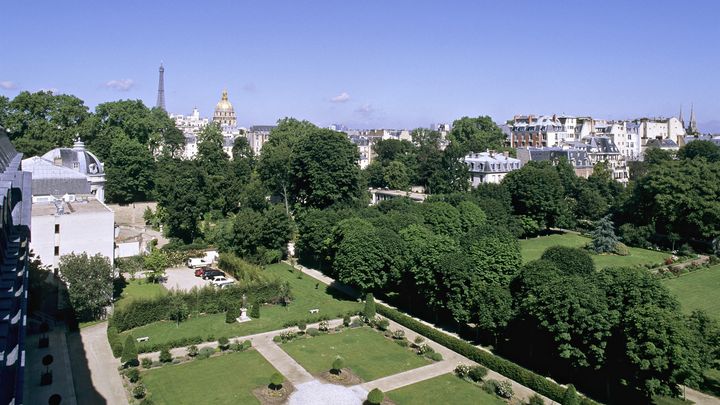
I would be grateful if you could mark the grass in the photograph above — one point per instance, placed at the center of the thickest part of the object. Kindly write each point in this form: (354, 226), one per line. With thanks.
(139, 289)
(226, 379)
(444, 389)
(533, 248)
(272, 317)
(368, 353)
(695, 290)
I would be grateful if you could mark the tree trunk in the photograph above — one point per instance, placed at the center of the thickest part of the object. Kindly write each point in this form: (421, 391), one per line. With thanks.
(285, 197)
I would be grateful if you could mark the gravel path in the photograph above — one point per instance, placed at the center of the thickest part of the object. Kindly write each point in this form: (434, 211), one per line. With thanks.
(317, 393)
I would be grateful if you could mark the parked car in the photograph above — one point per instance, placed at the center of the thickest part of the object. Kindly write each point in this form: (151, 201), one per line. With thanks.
(211, 274)
(199, 272)
(225, 284)
(220, 280)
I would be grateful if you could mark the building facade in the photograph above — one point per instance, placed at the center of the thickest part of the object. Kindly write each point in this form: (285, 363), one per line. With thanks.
(490, 167)
(82, 161)
(257, 135)
(15, 207)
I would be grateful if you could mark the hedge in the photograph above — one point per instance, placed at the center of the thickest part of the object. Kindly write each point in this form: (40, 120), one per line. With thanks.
(115, 342)
(502, 366)
(208, 300)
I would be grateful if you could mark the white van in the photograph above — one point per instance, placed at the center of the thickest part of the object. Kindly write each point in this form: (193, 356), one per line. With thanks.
(195, 262)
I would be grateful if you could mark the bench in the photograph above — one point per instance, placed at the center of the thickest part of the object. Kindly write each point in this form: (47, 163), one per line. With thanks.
(143, 339)
(314, 311)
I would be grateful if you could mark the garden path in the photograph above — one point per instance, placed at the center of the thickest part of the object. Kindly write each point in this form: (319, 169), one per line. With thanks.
(285, 364)
(410, 377)
(102, 365)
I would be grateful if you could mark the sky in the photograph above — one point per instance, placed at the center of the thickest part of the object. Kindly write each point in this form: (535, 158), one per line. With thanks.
(373, 63)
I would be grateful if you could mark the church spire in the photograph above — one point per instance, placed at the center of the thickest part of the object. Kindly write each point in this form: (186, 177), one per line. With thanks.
(682, 121)
(692, 128)
(161, 89)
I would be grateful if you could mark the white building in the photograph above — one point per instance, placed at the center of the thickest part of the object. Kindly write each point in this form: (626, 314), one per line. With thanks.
(658, 129)
(490, 167)
(81, 161)
(257, 135)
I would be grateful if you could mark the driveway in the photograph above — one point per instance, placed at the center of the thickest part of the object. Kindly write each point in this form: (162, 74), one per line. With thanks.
(183, 278)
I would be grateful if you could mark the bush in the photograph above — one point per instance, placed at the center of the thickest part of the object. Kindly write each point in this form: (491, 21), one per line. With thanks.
(139, 391)
(146, 362)
(114, 340)
(276, 381)
(402, 343)
(418, 340)
(356, 323)
(570, 260)
(133, 374)
(621, 249)
(383, 324)
(536, 400)
(434, 356)
(375, 397)
(399, 334)
(193, 351)
(205, 352)
(302, 326)
(246, 344)
(337, 365)
(425, 349)
(462, 370)
(255, 310)
(223, 343)
(570, 397)
(498, 364)
(312, 332)
(346, 320)
(165, 356)
(231, 315)
(129, 354)
(490, 386)
(369, 310)
(324, 326)
(277, 339)
(477, 373)
(504, 389)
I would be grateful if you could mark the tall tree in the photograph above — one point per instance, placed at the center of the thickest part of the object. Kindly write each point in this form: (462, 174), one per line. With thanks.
(129, 170)
(90, 283)
(359, 260)
(397, 176)
(477, 134)
(603, 236)
(180, 191)
(537, 192)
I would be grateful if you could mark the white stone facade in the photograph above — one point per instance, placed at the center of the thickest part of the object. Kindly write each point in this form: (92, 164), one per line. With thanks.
(490, 167)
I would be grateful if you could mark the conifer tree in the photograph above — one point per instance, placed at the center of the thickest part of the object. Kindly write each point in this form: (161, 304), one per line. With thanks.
(603, 236)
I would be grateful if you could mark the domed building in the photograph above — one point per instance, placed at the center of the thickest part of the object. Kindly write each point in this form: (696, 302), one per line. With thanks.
(224, 112)
(82, 161)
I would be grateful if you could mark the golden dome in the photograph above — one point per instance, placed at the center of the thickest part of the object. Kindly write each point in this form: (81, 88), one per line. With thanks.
(224, 104)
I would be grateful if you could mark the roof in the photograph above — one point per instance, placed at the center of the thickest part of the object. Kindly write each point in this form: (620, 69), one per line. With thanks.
(261, 128)
(50, 179)
(85, 206)
(661, 143)
(78, 158)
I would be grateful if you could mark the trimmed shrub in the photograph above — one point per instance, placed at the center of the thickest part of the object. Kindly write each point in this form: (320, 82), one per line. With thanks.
(276, 381)
(369, 310)
(496, 363)
(418, 340)
(375, 397)
(477, 373)
(462, 370)
(490, 386)
(129, 354)
(399, 334)
(312, 332)
(146, 362)
(165, 356)
(504, 389)
(193, 351)
(337, 365)
(114, 340)
(302, 326)
(570, 397)
(255, 310)
(139, 391)
(246, 344)
(205, 352)
(621, 250)
(133, 374)
(223, 343)
(231, 315)
(383, 324)
(346, 320)
(434, 356)
(277, 339)
(425, 349)
(536, 400)
(402, 343)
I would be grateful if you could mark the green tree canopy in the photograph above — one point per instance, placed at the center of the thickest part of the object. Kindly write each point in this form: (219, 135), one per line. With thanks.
(129, 170)
(570, 260)
(89, 280)
(537, 192)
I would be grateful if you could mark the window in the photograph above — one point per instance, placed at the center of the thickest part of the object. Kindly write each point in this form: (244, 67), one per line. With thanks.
(57, 250)
(57, 228)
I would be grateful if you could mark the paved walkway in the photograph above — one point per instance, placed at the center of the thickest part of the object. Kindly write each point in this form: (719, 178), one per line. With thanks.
(700, 398)
(102, 366)
(62, 376)
(282, 361)
(410, 377)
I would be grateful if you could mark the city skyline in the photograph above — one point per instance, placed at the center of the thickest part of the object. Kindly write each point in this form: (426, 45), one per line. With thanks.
(374, 65)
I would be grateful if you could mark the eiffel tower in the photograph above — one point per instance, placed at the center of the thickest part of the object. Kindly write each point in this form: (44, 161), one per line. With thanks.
(161, 89)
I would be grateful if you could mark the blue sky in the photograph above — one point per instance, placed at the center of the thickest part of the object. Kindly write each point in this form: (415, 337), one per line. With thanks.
(371, 63)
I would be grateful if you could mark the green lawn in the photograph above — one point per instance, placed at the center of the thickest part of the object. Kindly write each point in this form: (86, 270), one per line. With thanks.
(138, 289)
(226, 379)
(445, 389)
(369, 354)
(533, 248)
(698, 290)
(272, 317)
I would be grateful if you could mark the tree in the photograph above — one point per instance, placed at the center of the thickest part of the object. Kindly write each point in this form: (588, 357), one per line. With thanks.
(476, 134)
(277, 228)
(129, 355)
(697, 148)
(337, 365)
(570, 397)
(603, 236)
(129, 170)
(255, 310)
(536, 191)
(494, 254)
(165, 356)
(570, 260)
(375, 397)
(276, 381)
(211, 157)
(231, 315)
(471, 216)
(89, 280)
(374, 175)
(369, 311)
(177, 308)
(396, 176)
(180, 191)
(359, 259)
(324, 170)
(156, 262)
(441, 217)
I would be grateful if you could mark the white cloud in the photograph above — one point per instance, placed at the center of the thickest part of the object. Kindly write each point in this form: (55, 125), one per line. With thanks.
(120, 85)
(365, 110)
(341, 98)
(8, 85)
